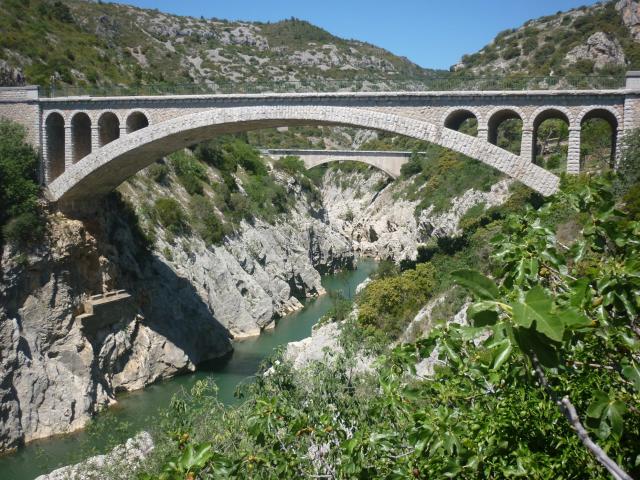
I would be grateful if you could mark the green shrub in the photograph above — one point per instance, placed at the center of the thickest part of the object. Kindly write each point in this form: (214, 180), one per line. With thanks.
(191, 173)
(511, 52)
(205, 221)
(291, 164)
(19, 211)
(56, 11)
(529, 45)
(388, 304)
(158, 172)
(243, 154)
(27, 227)
(213, 155)
(413, 166)
(169, 213)
(632, 202)
(629, 167)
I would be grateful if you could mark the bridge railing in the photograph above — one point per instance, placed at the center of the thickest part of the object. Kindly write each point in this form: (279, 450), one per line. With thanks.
(449, 83)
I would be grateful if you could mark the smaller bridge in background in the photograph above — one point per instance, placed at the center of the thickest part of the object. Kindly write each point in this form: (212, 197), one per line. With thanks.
(389, 162)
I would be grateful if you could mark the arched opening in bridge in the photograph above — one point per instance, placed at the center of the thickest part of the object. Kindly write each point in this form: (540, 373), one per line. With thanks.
(108, 128)
(505, 130)
(80, 136)
(550, 140)
(54, 131)
(464, 121)
(136, 121)
(598, 132)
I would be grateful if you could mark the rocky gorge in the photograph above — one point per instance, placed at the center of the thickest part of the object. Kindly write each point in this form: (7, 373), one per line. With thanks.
(185, 301)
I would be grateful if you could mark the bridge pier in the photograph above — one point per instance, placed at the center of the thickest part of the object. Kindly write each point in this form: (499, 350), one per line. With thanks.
(483, 133)
(573, 153)
(68, 147)
(95, 138)
(526, 145)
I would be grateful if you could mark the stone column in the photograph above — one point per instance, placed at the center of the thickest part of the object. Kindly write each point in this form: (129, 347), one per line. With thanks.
(526, 145)
(483, 132)
(45, 171)
(68, 148)
(618, 140)
(123, 130)
(95, 138)
(573, 155)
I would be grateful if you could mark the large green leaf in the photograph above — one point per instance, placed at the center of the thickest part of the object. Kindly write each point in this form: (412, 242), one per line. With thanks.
(483, 287)
(536, 307)
(631, 372)
(501, 353)
(609, 412)
(195, 457)
(482, 314)
(574, 319)
(531, 341)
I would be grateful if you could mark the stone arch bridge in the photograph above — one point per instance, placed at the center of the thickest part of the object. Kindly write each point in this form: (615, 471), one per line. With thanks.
(89, 145)
(389, 162)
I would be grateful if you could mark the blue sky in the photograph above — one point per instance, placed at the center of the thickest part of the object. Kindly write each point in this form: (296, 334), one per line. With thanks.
(431, 33)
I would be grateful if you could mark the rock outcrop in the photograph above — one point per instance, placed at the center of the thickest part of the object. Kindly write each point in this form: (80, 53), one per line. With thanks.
(382, 224)
(57, 370)
(601, 49)
(10, 76)
(630, 12)
(115, 465)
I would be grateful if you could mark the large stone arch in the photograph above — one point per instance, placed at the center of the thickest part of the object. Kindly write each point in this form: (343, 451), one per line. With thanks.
(105, 169)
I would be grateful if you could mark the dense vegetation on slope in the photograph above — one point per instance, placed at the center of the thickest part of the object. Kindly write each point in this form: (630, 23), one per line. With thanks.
(558, 320)
(89, 43)
(210, 189)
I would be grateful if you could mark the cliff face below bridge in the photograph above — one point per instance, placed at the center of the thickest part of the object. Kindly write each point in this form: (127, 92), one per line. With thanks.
(66, 351)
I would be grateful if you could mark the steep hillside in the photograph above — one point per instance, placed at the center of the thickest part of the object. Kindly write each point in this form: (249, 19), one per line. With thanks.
(78, 42)
(599, 39)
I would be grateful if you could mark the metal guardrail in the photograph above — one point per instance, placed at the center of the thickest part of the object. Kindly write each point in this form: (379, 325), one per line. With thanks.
(442, 84)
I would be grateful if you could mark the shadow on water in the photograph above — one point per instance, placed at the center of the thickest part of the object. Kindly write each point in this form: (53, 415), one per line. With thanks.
(136, 410)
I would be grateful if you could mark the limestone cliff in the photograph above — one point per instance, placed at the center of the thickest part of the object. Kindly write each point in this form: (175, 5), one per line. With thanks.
(66, 350)
(381, 223)
(58, 370)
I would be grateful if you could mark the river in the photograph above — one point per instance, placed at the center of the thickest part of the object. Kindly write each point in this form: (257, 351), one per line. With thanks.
(135, 410)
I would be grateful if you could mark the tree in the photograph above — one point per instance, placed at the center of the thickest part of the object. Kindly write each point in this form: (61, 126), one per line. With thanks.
(19, 213)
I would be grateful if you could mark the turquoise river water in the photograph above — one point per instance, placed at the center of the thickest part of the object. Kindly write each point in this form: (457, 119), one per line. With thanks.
(136, 410)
